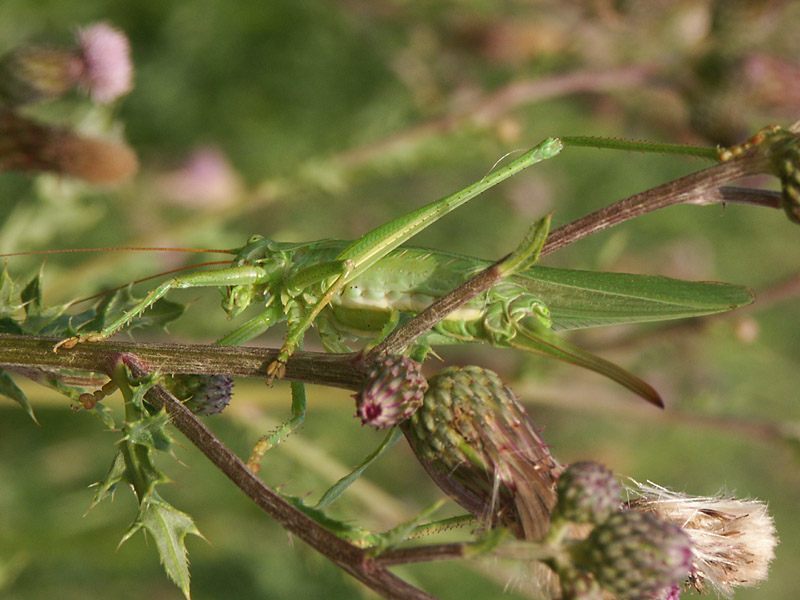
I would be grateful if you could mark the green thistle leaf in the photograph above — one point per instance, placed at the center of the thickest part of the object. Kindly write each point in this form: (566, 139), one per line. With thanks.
(31, 296)
(9, 389)
(169, 527)
(108, 485)
(149, 431)
(9, 299)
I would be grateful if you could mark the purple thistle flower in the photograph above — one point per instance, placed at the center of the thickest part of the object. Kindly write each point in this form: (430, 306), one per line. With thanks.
(392, 392)
(206, 178)
(671, 593)
(107, 71)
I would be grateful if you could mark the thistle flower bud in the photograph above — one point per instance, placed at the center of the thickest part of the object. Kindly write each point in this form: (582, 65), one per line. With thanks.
(635, 555)
(784, 152)
(29, 146)
(34, 73)
(202, 394)
(587, 493)
(100, 63)
(580, 587)
(479, 445)
(734, 540)
(392, 392)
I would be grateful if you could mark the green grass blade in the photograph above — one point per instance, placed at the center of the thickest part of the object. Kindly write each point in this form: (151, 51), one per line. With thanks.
(345, 482)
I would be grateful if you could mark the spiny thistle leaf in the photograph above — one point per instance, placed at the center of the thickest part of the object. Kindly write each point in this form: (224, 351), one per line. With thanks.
(8, 294)
(31, 296)
(149, 431)
(139, 388)
(168, 526)
(108, 485)
(9, 389)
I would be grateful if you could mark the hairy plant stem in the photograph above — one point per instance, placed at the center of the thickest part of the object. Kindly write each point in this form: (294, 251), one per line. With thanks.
(701, 188)
(22, 352)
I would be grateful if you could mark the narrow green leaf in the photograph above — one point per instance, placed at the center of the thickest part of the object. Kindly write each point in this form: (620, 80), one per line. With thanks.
(9, 389)
(168, 527)
(345, 482)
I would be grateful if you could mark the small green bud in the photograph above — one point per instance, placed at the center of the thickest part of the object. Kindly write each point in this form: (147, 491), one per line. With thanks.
(392, 392)
(480, 446)
(587, 493)
(635, 555)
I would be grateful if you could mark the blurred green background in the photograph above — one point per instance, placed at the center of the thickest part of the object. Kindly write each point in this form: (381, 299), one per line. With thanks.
(323, 119)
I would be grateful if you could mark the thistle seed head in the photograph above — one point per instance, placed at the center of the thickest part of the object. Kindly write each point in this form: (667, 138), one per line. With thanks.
(635, 555)
(31, 146)
(734, 540)
(587, 493)
(481, 448)
(392, 392)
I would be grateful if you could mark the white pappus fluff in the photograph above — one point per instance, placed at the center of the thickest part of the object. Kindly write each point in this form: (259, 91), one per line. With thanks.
(734, 540)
